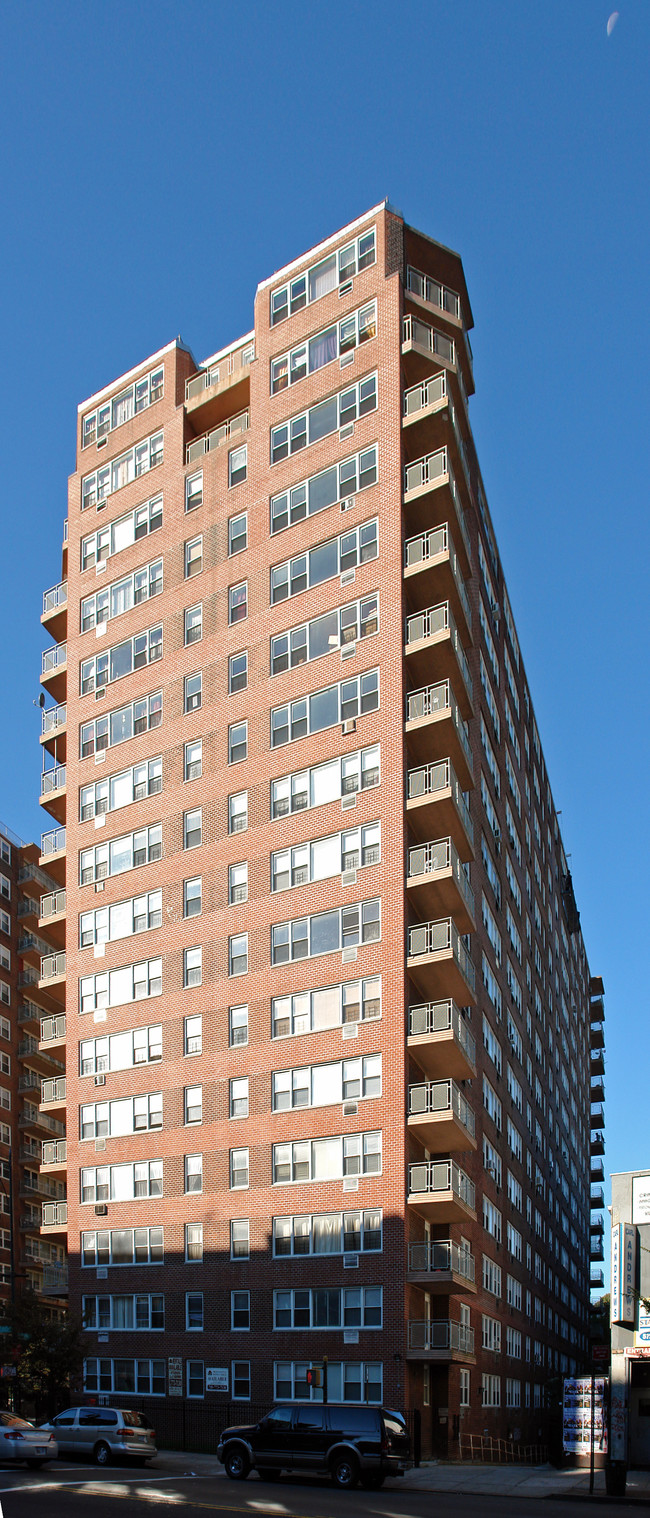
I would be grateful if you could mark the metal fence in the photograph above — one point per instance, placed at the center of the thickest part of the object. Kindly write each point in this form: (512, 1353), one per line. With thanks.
(500, 1451)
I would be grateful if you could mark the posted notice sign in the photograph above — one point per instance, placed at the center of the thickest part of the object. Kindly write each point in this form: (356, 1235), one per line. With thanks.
(216, 1378)
(577, 1415)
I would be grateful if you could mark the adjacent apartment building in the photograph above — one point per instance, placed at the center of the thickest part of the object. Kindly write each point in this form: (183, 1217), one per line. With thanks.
(327, 1001)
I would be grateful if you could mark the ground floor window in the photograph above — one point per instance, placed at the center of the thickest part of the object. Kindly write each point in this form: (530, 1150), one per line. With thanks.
(347, 1381)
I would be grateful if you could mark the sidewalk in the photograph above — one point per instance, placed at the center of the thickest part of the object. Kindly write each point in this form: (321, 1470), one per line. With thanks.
(481, 1480)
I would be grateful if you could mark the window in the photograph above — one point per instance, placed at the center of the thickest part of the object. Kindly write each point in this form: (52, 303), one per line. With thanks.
(122, 920)
(194, 490)
(120, 790)
(193, 1312)
(193, 1104)
(96, 424)
(117, 1183)
(193, 1043)
(237, 672)
(122, 1246)
(193, 625)
(96, 487)
(325, 708)
(352, 1154)
(193, 1241)
(135, 653)
(142, 1312)
(315, 494)
(195, 1378)
(491, 1391)
(323, 277)
(238, 812)
(241, 1381)
(240, 1245)
(327, 1007)
(238, 602)
(324, 1085)
(192, 899)
(237, 1026)
(491, 1334)
(193, 692)
(193, 557)
(237, 465)
(324, 347)
(328, 1233)
(192, 967)
(326, 932)
(237, 883)
(118, 726)
(237, 742)
(128, 852)
(122, 596)
(333, 1307)
(193, 1173)
(327, 416)
(115, 988)
(120, 1051)
(238, 954)
(324, 562)
(347, 1381)
(192, 828)
(324, 635)
(131, 1114)
(464, 1388)
(240, 1311)
(491, 1276)
(237, 534)
(146, 1377)
(239, 1167)
(320, 860)
(101, 545)
(239, 1097)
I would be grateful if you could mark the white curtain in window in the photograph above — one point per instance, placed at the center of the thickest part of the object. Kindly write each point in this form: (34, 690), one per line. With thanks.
(326, 1084)
(326, 858)
(326, 783)
(121, 1119)
(121, 982)
(121, 1051)
(325, 1008)
(327, 1234)
(121, 916)
(327, 1159)
(121, 790)
(322, 278)
(121, 1184)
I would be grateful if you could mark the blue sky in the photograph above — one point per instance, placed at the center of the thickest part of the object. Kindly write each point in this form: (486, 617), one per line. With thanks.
(158, 160)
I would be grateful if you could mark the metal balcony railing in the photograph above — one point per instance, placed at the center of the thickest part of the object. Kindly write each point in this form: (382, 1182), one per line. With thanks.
(54, 1151)
(425, 546)
(53, 658)
(53, 842)
(437, 1334)
(29, 1081)
(56, 596)
(597, 1198)
(53, 780)
(430, 699)
(430, 779)
(441, 1096)
(430, 1177)
(53, 717)
(438, 619)
(441, 1017)
(435, 938)
(436, 857)
(52, 904)
(217, 437)
(53, 965)
(54, 1214)
(428, 393)
(435, 293)
(53, 1090)
(229, 364)
(428, 337)
(52, 1027)
(441, 1257)
(27, 907)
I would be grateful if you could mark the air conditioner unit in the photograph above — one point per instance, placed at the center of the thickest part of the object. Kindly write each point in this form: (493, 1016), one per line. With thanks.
(350, 1262)
(349, 651)
(99, 694)
(348, 502)
(349, 877)
(99, 885)
(100, 1145)
(347, 431)
(345, 288)
(100, 568)
(350, 1109)
(347, 358)
(348, 956)
(101, 1211)
(101, 505)
(349, 727)
(100, 1080)
(347, 801)
(348, 577)
(350, 1183)
(350, 1030)
(102, 442)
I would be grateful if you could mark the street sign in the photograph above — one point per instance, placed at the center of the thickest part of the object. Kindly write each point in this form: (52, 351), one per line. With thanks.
(600, 1353)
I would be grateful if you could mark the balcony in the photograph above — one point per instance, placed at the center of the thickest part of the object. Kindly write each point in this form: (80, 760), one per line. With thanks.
(436, 882)
(55, 1281)
(53, 791)
(432, 498)
(436, 804)
(49, 993)
(53, 1093)
(221, 387)
(54, 1157)
(29, 1015)
(597, 1144)
(31, 948)
(29, 1081)
(42, 1060)
(597, 1172)
(52, 1031)
(440, 1041)
(597, 1090)
(54, 666)
(433, 646)
(441, 1266)
(597, 1035)
(597, 1225)
(54, 727)
(209, 441)
(55, 610)
(52, 916)
(597, 1063)
(435, 730)
(440, 1339)
(597, 1280)
(597, 1198)
(53, 966)
(596, 1250)
(423, 344)
(431, 567)
(597, 1117)
(55, 1217)
(35, 1123)
(440, 1117)
(53, 852)
(438, 962)
(440, 1191)
(28, 911)
(29, 1222)
(30, 871)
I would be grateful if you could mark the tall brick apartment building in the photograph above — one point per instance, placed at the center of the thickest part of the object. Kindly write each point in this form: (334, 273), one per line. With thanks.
(328, 1085)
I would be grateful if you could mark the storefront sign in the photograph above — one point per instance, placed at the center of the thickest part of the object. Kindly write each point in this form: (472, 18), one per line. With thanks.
(623, 1309)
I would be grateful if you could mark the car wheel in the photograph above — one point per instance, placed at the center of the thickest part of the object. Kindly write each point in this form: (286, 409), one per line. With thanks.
(345, 1472)
(269, 1473)
(101, 1454)
(236, 1464)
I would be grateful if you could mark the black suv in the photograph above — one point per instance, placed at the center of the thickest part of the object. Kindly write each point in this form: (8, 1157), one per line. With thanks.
(351, 1443)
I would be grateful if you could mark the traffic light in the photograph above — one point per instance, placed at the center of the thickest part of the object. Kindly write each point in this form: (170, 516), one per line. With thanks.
(314, 1376)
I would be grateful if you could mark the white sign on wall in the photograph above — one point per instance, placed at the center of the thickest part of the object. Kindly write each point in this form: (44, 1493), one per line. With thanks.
(641, 1198)
(216, 1378)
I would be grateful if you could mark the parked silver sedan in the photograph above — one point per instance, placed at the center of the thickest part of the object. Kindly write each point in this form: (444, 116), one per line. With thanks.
(24, 1442)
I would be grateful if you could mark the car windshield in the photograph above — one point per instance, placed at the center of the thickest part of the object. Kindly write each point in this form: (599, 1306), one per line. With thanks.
(136, 1420)
(9, 1420)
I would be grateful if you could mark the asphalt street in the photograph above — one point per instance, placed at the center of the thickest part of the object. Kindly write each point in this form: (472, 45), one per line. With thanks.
(74, 1490)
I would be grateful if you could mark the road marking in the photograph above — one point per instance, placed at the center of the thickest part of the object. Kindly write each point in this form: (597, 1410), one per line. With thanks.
(265, 1507)
(148, 1496)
